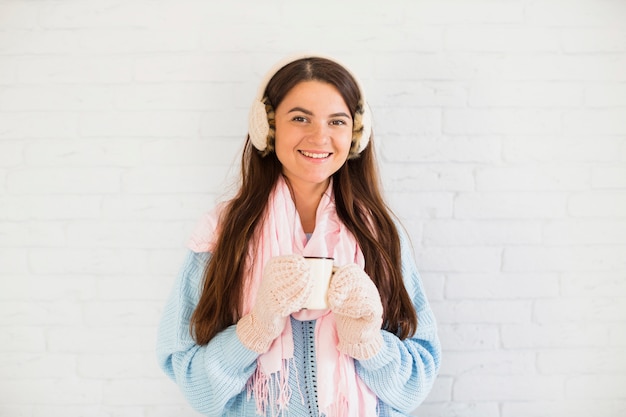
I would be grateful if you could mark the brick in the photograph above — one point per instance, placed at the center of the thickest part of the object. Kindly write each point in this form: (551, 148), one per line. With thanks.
(603, 177)
(617, 335)
(193, 68)
(186, 207)
(501, 38)
(59, 391)
(26, 234)
(49, 207)
(510, 205)
(137, 288)
(13, 261)
(23, 339)
(442, 389)
(56, 97)
(434, 285)
(595, 122)
(117, 366)
(592, 387)
(39, 313)
(555, 335)
(424, 205)
(11, 153)
(606, 309)
(533, 67)
(19, 15)
(409, 66)
(16, 366)
(224, 124)
(481, 286)
(125, 234)
(605, 94)
(525, 94)
(429, 177)
(564, 258)
(459, 259)
(86, 410)
(391, 121)
(607, 284)
(84, 153)
(165, 261)
(87, 261)
(135, 40)
(586, 13)
(122, 313)
(469, 337)
(74, 70)
(181, 96)
(158, 124)
(458, 409)
(454, 11)
(194, 179)
(483, 311)
(585, 231)
(499, 121)
(153, 391)
(468, 233)
(113, 14)
(598, 204)
(582, 361)
(418, 93)
(36, 42)
(572, 407)
(19, 125)
(105, 340)
(191, 152)
(57, 180)
(554, 177)
(508, 388)
(441, 149)
(31, 288)
(497, 362)
(570, 148)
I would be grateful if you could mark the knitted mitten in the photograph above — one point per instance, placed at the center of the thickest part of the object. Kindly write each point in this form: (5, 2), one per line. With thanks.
(285, 286)
(355, 301)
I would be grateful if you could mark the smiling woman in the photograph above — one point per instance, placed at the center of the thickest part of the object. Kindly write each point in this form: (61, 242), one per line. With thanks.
(235, 334)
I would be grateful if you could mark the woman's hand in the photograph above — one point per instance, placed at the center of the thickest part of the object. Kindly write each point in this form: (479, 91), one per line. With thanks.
(355, 301)
(285, 287)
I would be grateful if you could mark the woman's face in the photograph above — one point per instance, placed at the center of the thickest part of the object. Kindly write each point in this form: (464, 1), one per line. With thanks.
(313, 133)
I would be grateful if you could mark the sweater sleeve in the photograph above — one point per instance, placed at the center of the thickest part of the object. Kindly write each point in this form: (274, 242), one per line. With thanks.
(402, 373)
(209, 376)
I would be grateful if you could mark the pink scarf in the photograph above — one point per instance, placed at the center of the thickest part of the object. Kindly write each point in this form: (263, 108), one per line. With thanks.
(341, 393)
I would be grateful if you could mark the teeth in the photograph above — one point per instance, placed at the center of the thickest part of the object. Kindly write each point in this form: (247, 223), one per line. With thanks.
(315, 155)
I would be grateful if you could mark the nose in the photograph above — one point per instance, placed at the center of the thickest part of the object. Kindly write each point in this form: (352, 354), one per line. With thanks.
(319, 134)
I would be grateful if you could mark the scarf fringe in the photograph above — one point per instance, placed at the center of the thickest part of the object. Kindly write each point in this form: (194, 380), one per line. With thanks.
(271, 391)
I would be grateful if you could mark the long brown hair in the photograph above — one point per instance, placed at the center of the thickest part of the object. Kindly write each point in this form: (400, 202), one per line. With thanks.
(358, 200)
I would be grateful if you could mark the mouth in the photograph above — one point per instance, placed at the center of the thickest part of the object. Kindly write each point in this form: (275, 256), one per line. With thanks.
(315, 155)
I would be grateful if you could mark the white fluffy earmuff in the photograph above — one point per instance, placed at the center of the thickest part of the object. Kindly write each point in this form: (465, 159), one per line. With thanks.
(258, 125)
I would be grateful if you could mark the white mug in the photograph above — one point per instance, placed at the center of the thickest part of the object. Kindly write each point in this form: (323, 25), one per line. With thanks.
(321, 273)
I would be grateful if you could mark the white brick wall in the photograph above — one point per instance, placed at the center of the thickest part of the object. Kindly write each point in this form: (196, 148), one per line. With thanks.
(501, 127)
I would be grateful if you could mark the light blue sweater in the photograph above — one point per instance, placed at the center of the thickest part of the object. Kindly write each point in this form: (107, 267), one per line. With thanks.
(213, 377)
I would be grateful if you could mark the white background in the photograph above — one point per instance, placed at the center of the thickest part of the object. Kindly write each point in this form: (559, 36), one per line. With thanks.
(501, 128)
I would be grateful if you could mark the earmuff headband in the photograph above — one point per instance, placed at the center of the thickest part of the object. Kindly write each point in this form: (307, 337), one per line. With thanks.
(258, 124)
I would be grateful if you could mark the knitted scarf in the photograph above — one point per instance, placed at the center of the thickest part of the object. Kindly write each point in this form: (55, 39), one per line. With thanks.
(341, 392)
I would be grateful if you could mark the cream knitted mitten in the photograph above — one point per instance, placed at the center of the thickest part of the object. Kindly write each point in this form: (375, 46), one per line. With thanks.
(284, 289)
(355, 301)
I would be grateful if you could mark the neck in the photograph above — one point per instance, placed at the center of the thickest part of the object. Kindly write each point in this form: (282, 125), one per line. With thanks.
(307, 198)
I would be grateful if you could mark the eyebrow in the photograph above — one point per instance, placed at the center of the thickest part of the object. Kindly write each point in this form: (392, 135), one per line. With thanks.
(310, 113)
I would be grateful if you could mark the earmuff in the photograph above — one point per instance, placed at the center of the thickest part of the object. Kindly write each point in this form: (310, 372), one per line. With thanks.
(258, 120)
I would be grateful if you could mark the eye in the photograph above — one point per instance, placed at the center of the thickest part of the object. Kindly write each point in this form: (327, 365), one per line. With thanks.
(338, 122)
(301, 119)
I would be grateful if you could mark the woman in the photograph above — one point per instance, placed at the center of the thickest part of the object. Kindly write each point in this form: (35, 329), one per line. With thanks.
(234, 334)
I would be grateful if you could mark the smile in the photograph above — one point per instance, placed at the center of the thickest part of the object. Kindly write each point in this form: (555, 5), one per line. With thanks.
(315, 155)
